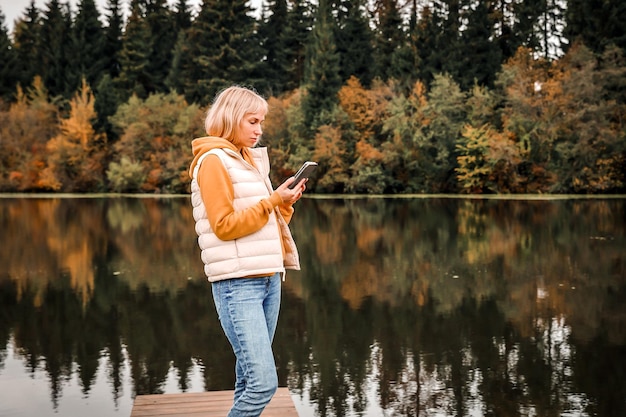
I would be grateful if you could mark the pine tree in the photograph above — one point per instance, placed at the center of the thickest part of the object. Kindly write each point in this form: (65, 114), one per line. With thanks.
(221, 49)
(597, 24)
(277, 54)
(163, 35)
(182, 15)
(88, 45)
(481, 57)
(105, 105)
(389, 36)
(113, 39)
(135, 77)
(322, 77)
(526, 15)
(55, 37)
(354, 40)
(27, 38)
(428, 32)
(449, 40)
(406, 60)
(9, 72)
(295, 37)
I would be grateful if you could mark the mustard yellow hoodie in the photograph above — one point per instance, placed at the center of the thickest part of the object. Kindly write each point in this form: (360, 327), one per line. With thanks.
(217, 193)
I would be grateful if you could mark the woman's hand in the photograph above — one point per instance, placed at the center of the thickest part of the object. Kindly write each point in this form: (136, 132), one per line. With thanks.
(291, 195)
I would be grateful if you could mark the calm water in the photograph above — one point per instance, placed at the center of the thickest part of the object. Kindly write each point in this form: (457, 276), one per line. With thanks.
(404, 307)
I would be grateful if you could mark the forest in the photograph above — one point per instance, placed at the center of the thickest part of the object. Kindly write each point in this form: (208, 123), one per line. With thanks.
(388, 96)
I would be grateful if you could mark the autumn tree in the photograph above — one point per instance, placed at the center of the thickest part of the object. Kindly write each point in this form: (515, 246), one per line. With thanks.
(24, 130)
(157, 134)
(527, 89)
(75, 156)
(588, 154)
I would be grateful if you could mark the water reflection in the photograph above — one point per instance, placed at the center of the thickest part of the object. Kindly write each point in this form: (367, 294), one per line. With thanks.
(404, 307)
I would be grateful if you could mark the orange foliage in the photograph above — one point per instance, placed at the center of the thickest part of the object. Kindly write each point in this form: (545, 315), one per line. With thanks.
(367, 152)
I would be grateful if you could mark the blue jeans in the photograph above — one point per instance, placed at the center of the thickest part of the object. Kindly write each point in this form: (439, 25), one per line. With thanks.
(248, 311)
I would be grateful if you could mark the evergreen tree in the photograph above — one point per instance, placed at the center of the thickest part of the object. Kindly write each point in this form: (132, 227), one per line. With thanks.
(502, 13)
(481, 57)
(322, 77)
(27, 38)
(221, 49)
(9, 72)
(174, 80)
(277, 54)
(596, 23)
(427, 44)
(389, 36)
(182, 16)
(105, 105)
(295, 38)
(449, 40)
(55, 37)
(162, 24)
(113, 39)
(526, 17)
(88, 45)
(354, 40)
(406, 60)
(135, 77)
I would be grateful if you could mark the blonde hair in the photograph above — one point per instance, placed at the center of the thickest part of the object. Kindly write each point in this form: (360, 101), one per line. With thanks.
(229, 108)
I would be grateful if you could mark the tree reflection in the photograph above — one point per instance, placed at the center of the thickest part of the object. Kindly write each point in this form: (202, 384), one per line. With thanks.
(412, 306)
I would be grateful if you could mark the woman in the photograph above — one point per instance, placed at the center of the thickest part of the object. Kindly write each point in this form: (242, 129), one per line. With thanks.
(243, 233)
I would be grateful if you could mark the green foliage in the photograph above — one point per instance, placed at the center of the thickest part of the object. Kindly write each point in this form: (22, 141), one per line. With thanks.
(416, 95)
(126, 176)
(272, 30)
(598, 24)
(354, 41)
(221, 49)
(9, 73)
(113, 39)
(135, 77)
(54, 46)
(322, 78)
(88, 41)
(389, 36)
(157, 135)
(27, 39)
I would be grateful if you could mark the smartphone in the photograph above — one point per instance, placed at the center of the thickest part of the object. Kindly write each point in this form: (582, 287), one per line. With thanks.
(305, 171)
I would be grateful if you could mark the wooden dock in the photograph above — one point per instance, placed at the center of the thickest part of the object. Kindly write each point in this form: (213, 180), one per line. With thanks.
(205, 404)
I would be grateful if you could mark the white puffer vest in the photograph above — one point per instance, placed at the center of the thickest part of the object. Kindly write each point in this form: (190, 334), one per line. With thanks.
(255, 254)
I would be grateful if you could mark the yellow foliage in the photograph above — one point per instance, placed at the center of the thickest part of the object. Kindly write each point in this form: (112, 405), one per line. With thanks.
(78, 127)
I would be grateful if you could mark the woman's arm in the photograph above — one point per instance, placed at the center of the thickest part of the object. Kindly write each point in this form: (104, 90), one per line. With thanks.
(218, 194)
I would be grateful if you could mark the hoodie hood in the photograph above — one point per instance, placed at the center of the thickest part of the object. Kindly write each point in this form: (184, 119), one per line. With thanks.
(203, 145)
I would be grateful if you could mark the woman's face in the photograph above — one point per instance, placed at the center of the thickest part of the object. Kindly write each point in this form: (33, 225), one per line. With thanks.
(250, 130)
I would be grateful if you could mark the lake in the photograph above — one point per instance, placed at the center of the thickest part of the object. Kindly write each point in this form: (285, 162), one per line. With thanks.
(423, 306)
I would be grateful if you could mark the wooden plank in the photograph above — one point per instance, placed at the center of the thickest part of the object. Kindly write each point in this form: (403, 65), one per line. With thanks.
(205, 404)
